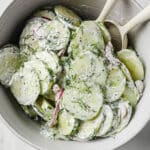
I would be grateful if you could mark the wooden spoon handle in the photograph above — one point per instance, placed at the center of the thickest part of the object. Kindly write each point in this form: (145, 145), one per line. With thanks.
(106, 10)
(143, 16)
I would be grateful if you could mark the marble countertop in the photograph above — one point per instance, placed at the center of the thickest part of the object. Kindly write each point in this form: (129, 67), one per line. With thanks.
(8, 141)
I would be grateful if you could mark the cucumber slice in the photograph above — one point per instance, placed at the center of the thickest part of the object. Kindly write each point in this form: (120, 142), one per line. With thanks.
(89, 68)
(133, 63)
(31, 26)
(83, 104)
(30, 112)
(67, 16)
(133, 91)
(89, 129)
(67, 124)
(50, 59)
(45, 13)
(131, 94)
(116, 119)
(88, 38)
(30, 41)
(50, 95)
(25, 86)
(43, 35)
(43, 74)
(43, 108)
(107, 124)
(10, 61)
(116, 62)
(126, 72)
(58, 35)
(122, 115)
(115, 84)
(105, 32)
(126, 113)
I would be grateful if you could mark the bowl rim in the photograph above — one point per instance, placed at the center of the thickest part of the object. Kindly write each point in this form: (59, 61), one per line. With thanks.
(22, 138)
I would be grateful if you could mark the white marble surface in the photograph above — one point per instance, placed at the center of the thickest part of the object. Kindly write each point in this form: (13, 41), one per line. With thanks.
(8, 141)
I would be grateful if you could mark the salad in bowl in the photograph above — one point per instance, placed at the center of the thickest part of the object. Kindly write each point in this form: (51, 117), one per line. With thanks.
(66, 75)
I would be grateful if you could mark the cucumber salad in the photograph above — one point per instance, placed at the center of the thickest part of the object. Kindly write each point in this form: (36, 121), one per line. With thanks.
(66, 75)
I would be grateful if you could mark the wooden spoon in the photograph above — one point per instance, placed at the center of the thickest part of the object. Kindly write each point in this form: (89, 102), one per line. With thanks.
(119, 33)
(106, 10)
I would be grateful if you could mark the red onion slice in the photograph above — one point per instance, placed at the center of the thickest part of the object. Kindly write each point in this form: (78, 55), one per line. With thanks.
(59, 95)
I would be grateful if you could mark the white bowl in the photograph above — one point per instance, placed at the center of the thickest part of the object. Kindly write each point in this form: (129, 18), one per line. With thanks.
(11, 23)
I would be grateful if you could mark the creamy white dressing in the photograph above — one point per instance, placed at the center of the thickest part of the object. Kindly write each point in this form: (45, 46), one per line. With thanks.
(97, 90)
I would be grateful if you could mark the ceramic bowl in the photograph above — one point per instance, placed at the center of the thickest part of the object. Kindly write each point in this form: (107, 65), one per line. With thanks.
(11, 23)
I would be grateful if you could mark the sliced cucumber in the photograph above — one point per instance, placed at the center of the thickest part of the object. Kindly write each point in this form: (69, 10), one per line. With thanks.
(108, 120)
(83, 104)
(67, 124)
(131, 94)
(133, 63)
(50, 59)
(31, 40)
(116, 119)
(32, 26)
(10, 61)
(67, 16)
(89, 129)
(115, 84)
(43, 108)
(105, 32)
(25, 86)
(58, 35)
(45, 13)
(88, 38)
(132, 91)
(43, 74)
(29, 111)
(41, 35)
(50, 95)
(126, 113)
(116, 62)
(122, 115)
(126, 72)
(88, 67)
